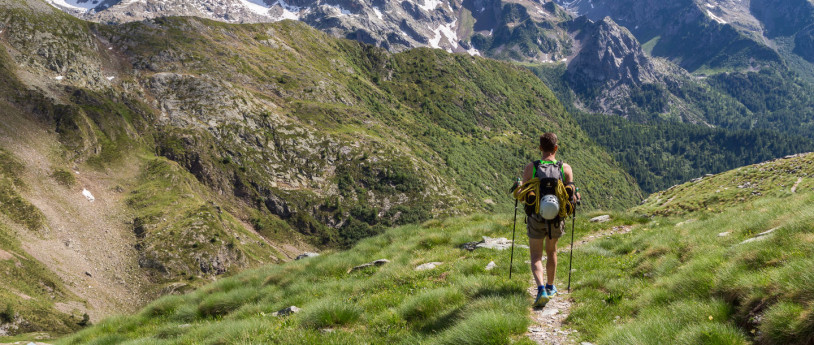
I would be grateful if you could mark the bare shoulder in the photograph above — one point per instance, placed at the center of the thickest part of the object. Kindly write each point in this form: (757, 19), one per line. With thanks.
(566, 167)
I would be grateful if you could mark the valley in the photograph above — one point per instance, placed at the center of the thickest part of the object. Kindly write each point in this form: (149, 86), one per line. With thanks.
(171, 162)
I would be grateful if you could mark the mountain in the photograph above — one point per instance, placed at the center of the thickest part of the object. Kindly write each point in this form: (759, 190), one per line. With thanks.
(395, 25)
(721, 260)
(142, 164)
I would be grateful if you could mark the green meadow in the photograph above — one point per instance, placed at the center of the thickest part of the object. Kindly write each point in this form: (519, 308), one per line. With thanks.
(684, 277)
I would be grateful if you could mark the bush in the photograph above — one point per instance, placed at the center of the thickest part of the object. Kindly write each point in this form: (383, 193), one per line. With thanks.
(7, 314)
(64, 177)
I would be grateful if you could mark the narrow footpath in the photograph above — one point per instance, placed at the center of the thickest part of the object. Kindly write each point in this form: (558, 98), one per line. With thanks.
(547, 327)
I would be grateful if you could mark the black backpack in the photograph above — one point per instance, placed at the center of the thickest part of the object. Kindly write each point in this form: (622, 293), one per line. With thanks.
(549, 173)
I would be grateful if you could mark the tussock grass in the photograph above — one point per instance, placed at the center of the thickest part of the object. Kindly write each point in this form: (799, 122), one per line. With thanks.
(330, 313)
(677, 281)
(456, 302)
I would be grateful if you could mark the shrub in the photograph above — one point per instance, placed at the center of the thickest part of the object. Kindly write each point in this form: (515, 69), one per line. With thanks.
(7, 313)
(64, 177)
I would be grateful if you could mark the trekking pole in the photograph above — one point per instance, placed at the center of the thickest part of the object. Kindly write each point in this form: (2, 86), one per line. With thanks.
(514, 226)
(571, 250)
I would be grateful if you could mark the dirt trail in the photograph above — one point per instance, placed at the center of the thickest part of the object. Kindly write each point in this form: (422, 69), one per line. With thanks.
(548, 322)
(89, 245)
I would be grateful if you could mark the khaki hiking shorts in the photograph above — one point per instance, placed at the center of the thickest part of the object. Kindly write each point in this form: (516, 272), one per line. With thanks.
(538, 230)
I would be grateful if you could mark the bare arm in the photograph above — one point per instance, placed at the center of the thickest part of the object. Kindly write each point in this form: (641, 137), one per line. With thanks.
(569, 177)
(528, 171)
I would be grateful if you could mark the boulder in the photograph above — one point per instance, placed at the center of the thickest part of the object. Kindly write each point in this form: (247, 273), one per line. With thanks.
(306, 255)
(428, 266)
(369, 264)
(287, 311)
(470, 246)
(601, 219)
(491, 266)
(501, 243)
(761, 236)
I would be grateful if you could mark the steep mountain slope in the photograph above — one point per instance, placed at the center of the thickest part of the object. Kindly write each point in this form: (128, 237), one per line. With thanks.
(660, 155)
(722, 260)
(498, 27)
(154, 165)
(688, 31)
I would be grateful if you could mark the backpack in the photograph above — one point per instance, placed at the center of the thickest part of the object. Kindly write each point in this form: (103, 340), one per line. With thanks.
(545, 196)
(551, 177)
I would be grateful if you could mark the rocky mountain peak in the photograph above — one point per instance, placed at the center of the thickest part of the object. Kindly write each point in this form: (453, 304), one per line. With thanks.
(609, 54)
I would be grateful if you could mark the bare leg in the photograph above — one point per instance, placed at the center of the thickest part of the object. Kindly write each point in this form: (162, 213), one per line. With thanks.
(536, 249)
(551, 261)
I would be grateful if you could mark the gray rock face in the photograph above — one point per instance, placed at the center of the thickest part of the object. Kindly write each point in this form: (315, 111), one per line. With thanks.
(392, 24)
(610, 54)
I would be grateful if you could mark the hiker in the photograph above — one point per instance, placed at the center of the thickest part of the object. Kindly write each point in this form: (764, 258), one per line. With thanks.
(545, 217)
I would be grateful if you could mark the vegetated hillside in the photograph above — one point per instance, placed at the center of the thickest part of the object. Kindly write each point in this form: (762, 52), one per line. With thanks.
(722, 260)
(662, 154)
(458, 301)
(733, 64)
(725, 260)
(92, 223)
(156, 156)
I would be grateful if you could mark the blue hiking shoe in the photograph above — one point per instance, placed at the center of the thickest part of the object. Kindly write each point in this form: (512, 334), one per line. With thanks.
(551, 292)
(542, 298)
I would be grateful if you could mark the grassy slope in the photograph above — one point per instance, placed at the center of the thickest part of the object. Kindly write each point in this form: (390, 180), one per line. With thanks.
(458, 302)
(673, 279)
(430, 116)
(481, 122)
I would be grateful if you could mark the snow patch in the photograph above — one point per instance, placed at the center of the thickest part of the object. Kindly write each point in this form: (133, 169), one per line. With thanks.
(709, 5)
(447, 31)
(378, 13)
(288, 11)
(83, 6)
(59, 77)
(474, 52)
(430, 5)
(256, 6)
(88, 195)
(715, 18)
(340, 9)
(111, 78)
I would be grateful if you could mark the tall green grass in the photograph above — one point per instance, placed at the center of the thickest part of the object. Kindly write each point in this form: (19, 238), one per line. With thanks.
(678, 282)
(458, 302)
